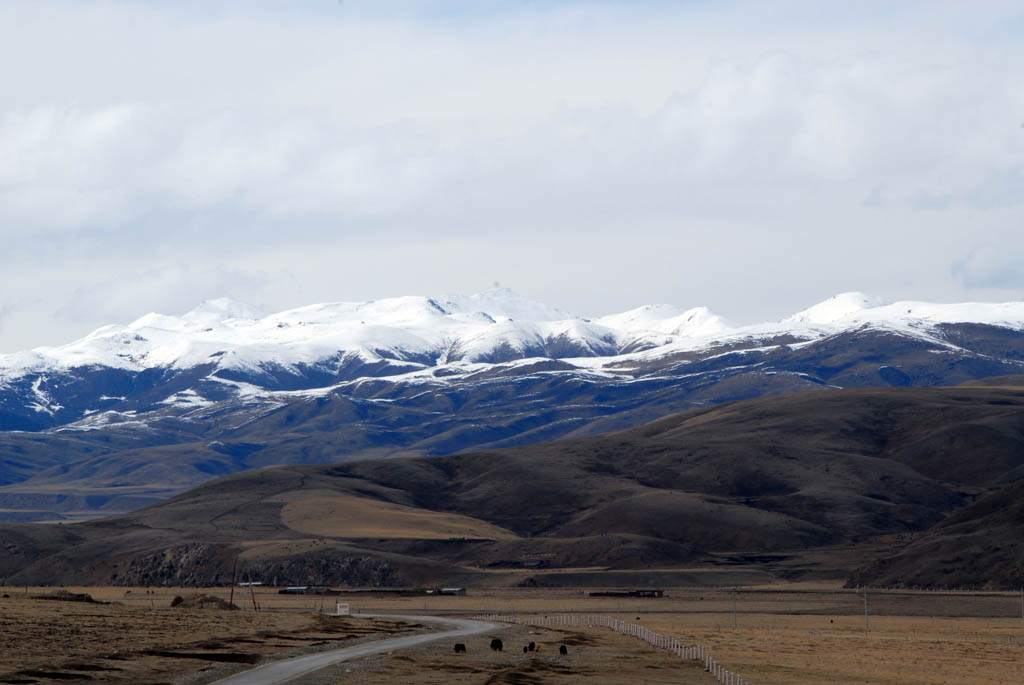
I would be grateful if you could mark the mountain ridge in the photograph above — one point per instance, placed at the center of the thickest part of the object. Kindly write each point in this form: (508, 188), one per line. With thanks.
(98, 439)
(431, 331)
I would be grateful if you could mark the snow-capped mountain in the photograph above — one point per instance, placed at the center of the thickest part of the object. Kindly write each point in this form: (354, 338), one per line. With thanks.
(409, 334)
(435, 375)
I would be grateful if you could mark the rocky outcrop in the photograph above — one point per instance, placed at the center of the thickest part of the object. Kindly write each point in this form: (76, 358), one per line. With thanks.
(192, 565)
(337, 569)
(203, 564)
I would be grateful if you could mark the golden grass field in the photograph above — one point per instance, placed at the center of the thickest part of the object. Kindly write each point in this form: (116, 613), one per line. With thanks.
(360, 517)
(785, 633)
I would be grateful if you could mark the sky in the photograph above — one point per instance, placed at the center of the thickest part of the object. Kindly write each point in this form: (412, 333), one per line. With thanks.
(752, 157)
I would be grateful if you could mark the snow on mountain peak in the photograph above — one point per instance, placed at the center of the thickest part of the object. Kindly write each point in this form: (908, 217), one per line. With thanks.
(223, 309)
(667, 319)
(504, 303)
(489, 325)
(206, 314)
(836, 308)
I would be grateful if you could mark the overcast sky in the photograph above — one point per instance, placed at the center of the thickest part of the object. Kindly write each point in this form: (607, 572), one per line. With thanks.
(752, 157)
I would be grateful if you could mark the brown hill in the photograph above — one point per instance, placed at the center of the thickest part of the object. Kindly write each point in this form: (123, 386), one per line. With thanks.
(775, 477)
(981, 545)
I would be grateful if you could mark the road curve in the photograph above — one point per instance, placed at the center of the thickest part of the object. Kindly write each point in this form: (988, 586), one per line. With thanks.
(289, 669)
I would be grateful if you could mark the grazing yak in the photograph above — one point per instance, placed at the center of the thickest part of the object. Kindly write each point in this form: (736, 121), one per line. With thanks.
(532, 646)
(497, 645)
(459, 647)
(563, 650)
(525, 649)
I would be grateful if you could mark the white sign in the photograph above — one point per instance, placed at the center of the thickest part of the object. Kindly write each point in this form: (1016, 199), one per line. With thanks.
(343, 609)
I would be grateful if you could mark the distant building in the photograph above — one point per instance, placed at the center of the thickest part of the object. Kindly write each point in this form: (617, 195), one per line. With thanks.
(629, 593)
(452, 591)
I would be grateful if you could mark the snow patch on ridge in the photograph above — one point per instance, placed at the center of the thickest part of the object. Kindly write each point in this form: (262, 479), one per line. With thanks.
(836, 308)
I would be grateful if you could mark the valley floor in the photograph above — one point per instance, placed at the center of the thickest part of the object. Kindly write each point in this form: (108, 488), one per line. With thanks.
(783, 633)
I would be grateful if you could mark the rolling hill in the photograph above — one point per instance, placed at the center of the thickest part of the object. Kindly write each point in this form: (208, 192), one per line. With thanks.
(807, 484)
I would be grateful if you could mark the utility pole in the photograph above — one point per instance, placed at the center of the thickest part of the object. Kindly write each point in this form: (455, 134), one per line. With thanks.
(234, 574)
(866, 624)
(734, 607)
(252, 592)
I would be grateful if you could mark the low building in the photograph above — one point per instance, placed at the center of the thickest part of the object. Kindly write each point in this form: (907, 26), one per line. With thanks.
(629, 593)
(296, 590)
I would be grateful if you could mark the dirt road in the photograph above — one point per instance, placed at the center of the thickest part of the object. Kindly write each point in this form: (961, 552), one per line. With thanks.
(289, 669)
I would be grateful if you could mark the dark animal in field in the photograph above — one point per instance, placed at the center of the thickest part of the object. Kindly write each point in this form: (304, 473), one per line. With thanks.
(497, 645)
(532, 646)
(459, 647)
(525, 649)
(563, 650)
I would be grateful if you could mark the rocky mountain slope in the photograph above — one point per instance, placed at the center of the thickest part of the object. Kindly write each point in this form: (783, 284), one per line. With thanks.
(132, 414)
(772, 482)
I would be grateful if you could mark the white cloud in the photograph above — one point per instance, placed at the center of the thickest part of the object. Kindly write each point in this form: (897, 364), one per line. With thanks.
(172, 143)
(993, 268)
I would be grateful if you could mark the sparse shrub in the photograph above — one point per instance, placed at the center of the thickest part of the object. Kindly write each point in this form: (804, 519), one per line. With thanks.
(201, 600)
(65, 596)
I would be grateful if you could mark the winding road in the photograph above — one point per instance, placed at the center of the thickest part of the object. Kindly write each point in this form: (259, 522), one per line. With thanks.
(289, 669)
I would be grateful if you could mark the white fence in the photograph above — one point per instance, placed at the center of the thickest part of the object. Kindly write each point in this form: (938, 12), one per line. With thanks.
(694, 653)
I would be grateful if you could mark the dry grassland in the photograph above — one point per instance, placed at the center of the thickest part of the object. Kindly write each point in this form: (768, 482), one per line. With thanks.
(815, 649)
(358, 517)
(146, 641)
(801, 633)
(596, 657)
(787, 633)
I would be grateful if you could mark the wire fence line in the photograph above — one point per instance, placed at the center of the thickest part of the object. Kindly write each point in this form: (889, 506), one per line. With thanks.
(685, 652)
